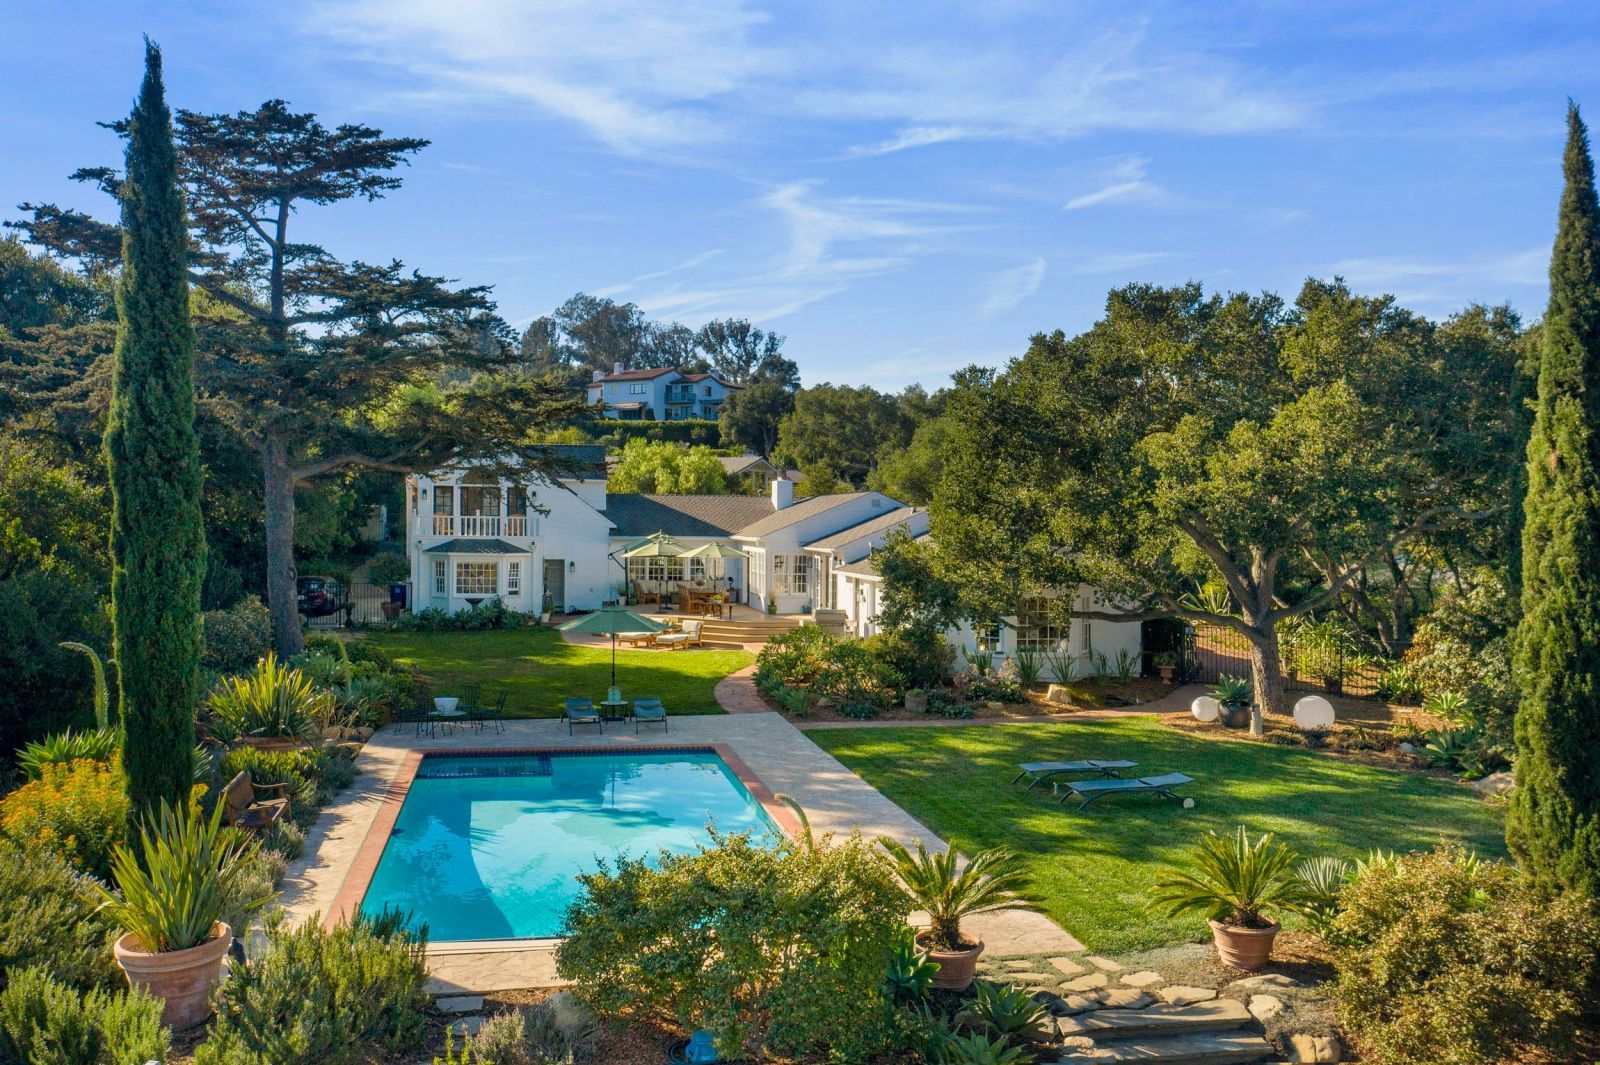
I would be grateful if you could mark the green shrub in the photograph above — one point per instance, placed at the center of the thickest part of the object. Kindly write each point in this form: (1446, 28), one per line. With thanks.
(323, 995)
(50, 917)
(77, 810)
(1449, 960)
(273, 700)
(851, 674)
(321, 643)
(526, 1036)
(1399, 683)
(252, 877)
(315, 776)
(359, 651)
(489, 614)
(97, 745)
(389, 569)
(767, 948)
(919, 658)
(45, 1022)
(793, 658)
(235, 638)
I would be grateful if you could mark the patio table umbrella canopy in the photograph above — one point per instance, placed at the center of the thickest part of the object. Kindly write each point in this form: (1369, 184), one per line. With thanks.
(656, 545)
(716, 557)
(610, 620)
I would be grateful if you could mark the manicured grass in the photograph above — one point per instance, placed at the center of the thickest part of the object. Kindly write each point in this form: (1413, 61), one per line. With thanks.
(539, 669)
(1091, 871)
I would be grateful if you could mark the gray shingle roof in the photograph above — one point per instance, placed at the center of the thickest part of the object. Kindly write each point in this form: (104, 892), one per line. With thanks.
(865, 529)
(732, 464)
(798, 511)
(474, 547)
(641, 515)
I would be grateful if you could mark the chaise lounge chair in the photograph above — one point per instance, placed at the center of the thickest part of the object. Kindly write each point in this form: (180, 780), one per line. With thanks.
(688, 636)
(582, 712)
(1039, 772)
(1090, 790)
(649, 710)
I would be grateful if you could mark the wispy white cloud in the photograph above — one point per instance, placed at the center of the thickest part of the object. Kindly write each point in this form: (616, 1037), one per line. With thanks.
(677, 268)
(1122, 181)
(1431, 283)
(1009, 288)
(1125, 262)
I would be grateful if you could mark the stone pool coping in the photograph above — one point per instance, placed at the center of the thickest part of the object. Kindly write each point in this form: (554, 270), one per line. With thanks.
(347, 903)
(766, 746)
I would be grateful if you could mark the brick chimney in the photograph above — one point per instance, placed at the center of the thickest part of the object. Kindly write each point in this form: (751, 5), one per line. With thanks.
(782, 493)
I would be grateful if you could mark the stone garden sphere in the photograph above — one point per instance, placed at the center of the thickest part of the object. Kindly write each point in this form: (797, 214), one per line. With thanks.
(1313, 713)
(1205, 708)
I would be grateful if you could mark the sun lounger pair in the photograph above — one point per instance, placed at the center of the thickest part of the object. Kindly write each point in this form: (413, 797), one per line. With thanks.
(1039, 772)
(1090, 790)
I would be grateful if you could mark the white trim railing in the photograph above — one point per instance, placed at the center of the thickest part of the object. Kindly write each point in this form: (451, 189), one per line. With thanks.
(485, 525)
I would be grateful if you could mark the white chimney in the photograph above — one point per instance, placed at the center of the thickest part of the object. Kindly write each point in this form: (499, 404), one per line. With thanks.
(782, 493)
(597, 375)
(616, 367)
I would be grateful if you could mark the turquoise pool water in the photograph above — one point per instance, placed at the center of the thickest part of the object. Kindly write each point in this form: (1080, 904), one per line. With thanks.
(490, 847)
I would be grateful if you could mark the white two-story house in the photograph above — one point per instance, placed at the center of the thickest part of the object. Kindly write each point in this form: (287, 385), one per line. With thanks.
(658, 394)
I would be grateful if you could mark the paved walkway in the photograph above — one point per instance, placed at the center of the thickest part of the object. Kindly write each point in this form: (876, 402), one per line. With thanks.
(736, 693)
(834, 798)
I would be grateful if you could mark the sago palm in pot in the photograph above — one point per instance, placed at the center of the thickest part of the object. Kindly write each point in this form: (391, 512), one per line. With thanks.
(949, 892)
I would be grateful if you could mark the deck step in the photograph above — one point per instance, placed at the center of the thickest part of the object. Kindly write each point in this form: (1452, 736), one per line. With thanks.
(1194, 1048)
(1105, 1025)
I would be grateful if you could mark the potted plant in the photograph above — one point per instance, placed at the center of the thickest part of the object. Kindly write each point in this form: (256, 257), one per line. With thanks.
(1166, 665)
(1234, 693)
(949, 892)
(547, 608)
(275, 706)
(772, 603)
(916, 701)
(1234, 883)
(170, 900)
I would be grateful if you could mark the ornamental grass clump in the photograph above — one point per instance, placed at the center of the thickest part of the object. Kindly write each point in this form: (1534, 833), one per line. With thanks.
(173, 889)
(274, 700)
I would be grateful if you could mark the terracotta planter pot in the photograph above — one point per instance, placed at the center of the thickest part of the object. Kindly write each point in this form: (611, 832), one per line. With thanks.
(1166, 673)
(1243, 948)
(957, 968)
(1235, 715)
(390, 610)
(182, 979)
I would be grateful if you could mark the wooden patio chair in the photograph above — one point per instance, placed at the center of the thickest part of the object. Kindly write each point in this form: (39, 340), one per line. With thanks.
(242, 808)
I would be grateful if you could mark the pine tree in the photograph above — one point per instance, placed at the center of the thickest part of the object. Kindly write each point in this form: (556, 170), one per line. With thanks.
(157, 540)
(1554, 825)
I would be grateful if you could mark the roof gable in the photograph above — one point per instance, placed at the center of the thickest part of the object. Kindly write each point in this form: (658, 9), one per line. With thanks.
(683, 515)
(800, 510)
(877, 524)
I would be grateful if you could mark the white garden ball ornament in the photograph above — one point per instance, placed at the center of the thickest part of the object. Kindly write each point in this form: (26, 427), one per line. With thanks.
(1313, 713)
(1205, 708)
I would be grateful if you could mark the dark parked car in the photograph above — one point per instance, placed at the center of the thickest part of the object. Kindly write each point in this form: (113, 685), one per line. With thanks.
(318, 596)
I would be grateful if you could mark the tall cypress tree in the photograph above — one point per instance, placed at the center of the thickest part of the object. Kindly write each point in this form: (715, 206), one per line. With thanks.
(157, 540)
(1554, 826)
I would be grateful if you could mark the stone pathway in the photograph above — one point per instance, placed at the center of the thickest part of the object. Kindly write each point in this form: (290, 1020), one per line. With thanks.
(736, 693)
(1102, 1014)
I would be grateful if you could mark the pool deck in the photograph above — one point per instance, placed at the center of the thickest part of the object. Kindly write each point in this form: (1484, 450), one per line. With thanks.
(774, 751)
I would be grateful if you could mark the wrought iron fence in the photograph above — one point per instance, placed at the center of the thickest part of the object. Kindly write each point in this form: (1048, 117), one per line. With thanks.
(1216, 651)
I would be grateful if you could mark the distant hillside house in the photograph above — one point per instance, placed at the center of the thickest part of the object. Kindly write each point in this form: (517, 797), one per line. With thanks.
(752, 473)
(658, 394)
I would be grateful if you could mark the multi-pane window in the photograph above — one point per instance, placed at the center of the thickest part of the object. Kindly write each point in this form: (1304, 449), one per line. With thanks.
(514, 577)
(440, 575)
(477, 578)
(637, 388)
(480, 499)
(697, 569)
(791, 574)
(516, 500)
(987, 637)
(444, 499)
(1037, 628)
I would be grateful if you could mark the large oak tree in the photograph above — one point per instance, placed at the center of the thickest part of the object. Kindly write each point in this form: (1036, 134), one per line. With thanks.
(1282, 451)
(323, 365)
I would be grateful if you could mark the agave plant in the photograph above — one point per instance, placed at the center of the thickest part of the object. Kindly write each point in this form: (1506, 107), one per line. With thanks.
(1232, 691)
(273, 700)
(1323, 878)
(979, 1049)
(950, 892)
(1451, 705)
(97, 745)
(172, 888)
(910, 972)
(1009, 1012)
(1234, 883)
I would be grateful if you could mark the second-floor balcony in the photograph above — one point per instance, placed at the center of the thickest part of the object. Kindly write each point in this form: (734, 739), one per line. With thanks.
(485, 525)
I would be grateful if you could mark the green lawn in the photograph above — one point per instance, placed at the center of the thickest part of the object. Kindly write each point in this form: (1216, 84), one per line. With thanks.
(539, 669)
(1091, 871)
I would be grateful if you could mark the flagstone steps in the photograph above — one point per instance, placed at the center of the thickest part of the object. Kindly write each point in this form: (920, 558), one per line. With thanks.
(1195, 1048)
(1100, 1025)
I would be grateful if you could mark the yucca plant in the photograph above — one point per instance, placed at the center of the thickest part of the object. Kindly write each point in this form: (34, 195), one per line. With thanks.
(1006, 1011)
(1323, 878)
(172, 888)
(274, 699)
(950, 892)
(97, 745)
(1234, 883)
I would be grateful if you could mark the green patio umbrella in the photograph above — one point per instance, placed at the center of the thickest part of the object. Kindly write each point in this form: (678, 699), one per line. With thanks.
(716, 557)
(656, 545)
(610, 620)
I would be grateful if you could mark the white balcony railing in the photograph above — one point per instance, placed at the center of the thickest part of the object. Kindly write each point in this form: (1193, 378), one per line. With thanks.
(484, 525)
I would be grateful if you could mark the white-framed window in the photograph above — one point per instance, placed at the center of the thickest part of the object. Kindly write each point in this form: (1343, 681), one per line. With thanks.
(637, 388)
(987, 637)
(477, 578)
(791, 574)
(1037, 629)
(514, 577)
(697, 569)
(441, 575)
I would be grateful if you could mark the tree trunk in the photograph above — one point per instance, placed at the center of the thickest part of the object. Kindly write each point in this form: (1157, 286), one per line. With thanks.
(282, 594)
(1266, 674)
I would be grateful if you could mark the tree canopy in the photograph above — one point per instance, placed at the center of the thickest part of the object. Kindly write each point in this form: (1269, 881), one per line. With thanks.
(660, 466)
(1280, 450)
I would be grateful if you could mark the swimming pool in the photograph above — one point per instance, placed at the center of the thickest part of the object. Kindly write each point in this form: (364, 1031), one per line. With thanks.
(489, 846)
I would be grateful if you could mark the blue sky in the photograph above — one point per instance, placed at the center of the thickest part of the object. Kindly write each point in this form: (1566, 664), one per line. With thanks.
(901, 189)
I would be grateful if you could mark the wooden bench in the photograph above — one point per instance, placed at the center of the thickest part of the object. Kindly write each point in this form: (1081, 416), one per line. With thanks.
(243, 809)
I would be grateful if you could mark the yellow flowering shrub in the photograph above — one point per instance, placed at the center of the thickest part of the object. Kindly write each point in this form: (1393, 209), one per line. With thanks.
(78, 810)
